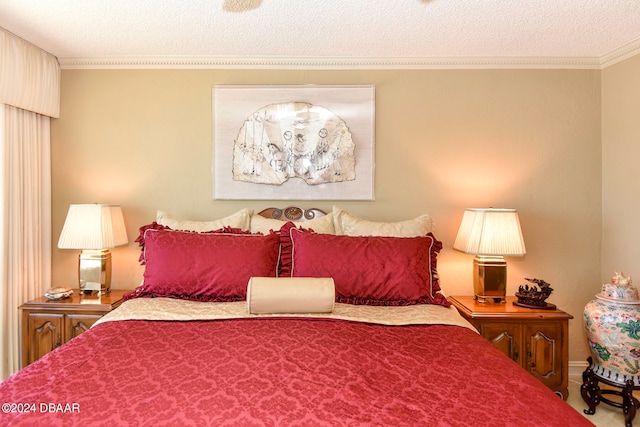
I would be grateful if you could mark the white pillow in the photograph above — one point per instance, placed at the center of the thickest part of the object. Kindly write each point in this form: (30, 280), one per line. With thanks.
(322, 225)
(240, 219)
(350, 225)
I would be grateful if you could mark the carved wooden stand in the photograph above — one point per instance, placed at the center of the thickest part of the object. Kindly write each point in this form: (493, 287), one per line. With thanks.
(593, 395)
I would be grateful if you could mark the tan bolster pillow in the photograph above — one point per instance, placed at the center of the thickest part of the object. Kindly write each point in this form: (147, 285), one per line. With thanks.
(290, 295)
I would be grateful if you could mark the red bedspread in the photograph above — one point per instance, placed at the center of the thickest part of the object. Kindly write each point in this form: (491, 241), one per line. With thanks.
(281, 372)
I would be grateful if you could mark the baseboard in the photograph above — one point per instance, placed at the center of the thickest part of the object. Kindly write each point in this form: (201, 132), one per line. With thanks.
(576, 368)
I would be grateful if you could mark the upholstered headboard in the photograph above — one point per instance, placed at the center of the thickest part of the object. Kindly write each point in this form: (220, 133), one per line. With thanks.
(292, 213)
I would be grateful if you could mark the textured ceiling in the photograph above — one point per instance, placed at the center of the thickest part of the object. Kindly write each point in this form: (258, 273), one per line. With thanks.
(375, 31)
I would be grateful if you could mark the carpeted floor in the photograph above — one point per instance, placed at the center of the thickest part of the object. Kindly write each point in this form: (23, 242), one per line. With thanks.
(605, 416)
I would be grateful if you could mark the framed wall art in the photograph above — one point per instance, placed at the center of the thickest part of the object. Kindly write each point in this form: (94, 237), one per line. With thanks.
(311, 142)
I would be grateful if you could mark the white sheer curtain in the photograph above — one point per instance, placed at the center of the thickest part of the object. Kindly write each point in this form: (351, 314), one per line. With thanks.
(29, 95)
(25, 264)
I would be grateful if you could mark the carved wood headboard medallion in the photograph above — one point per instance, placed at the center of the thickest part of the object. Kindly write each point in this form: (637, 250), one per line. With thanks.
(292, 213)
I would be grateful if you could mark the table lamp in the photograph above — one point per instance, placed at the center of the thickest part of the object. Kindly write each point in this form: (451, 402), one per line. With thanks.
(93, 228)
(490, 234)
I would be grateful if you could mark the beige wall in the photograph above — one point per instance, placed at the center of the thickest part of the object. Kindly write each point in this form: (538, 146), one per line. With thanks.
(620, 169)
(445, 140)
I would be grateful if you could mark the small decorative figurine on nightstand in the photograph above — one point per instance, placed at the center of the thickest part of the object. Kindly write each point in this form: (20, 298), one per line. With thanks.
(534, 296)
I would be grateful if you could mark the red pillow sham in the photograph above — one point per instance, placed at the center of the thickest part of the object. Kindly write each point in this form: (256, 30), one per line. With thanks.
(372, 270)
(155, 226)
(205, 266)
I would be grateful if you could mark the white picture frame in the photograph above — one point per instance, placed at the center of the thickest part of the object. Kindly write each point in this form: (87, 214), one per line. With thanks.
(233, 104)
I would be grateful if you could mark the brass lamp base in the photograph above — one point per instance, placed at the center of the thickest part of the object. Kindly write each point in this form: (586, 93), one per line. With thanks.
(94, 271)
(489, 278)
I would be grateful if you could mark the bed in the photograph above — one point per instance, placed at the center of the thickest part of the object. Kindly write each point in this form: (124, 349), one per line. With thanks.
(380, 346)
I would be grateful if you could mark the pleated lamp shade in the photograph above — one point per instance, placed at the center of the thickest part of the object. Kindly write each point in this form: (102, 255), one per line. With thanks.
(93, 226)
(490, 232)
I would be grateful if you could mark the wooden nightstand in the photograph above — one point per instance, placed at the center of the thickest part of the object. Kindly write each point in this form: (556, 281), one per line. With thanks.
(48, 324)
(535, 339)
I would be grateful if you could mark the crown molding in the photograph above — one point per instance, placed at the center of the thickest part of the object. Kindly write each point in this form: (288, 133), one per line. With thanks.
(329, 63)
(620, 54)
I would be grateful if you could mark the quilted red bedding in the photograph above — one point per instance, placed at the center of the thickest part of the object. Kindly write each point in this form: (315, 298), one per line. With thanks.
(280, 372)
